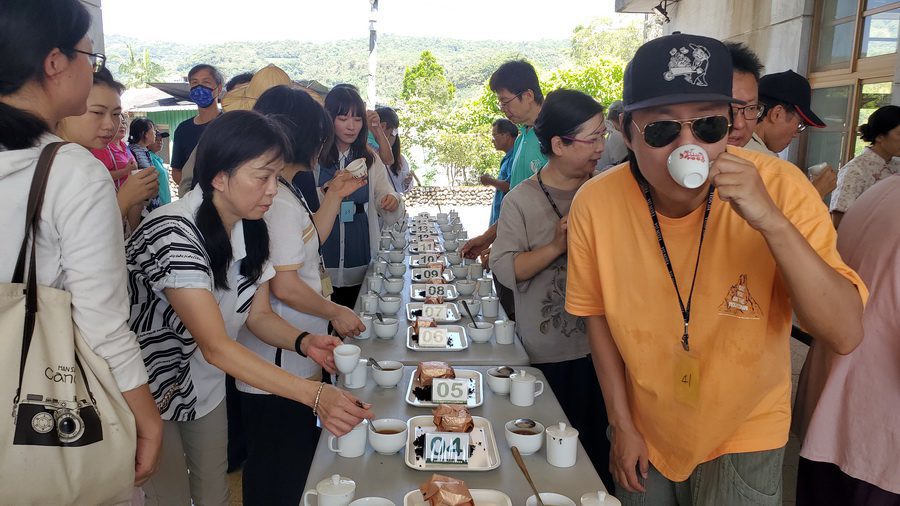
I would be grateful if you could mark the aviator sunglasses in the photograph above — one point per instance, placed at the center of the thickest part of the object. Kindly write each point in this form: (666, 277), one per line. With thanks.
(708, 129)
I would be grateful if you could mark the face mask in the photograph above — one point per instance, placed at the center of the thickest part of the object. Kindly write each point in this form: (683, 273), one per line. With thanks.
(202, 96)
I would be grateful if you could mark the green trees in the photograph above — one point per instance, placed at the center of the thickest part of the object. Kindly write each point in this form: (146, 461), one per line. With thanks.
(138, 70)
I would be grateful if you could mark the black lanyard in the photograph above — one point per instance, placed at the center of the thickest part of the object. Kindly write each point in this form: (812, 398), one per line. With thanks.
(302, 201)
(685, 310)
(547, 194)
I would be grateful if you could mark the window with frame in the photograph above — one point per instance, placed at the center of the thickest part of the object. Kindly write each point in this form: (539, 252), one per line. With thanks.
(852, 64)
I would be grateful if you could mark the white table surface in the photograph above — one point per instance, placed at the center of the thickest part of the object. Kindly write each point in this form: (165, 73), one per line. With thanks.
(388, 476)
(489, 353)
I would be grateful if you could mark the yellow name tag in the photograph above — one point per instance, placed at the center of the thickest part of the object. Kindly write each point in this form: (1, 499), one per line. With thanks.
(687, 379)
(327, 289)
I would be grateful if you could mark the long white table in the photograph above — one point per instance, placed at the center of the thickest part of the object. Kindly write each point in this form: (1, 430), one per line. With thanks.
(489, 353)
(388, 476)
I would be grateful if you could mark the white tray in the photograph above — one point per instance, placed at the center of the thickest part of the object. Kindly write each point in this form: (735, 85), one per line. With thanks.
(452, 315)
(415, 263)
(485, 457)
(417, 292)
(414, 250)
(475, 399)
(455, 332)
(481, 496)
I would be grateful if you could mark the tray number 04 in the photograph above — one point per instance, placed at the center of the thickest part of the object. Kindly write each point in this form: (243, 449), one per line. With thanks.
(446, 448)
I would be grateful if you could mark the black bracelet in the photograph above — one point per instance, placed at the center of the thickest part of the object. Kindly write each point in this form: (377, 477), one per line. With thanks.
(298, 342)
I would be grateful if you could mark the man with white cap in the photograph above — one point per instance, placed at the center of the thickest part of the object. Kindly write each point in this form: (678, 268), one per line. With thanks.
(687, 274)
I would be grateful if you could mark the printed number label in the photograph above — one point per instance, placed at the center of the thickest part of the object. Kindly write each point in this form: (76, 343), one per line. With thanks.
(427, 245)
(450, 391)
(433, 337)
(427, 273)
(436, 311)
(446, 448)
(429, 258)
(436, 290)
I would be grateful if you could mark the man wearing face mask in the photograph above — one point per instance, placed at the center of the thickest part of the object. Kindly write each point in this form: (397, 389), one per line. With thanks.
(206, 86)
(687, 274)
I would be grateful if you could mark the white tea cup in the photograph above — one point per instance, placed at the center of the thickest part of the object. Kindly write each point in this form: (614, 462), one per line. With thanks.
(346, 356)
(498, 384)
(366, 320)
(387, 436)
(476, 270)
(485, 286)
(351, 444)
(373, 281)
(562, 445)
(357, 377)
(505, 331)
(527, 440)
(368, 302)
(689, 165)
(523, 388)
(490, 306)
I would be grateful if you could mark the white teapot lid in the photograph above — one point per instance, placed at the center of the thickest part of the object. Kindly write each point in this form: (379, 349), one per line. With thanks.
(561, 430)
(336, 485)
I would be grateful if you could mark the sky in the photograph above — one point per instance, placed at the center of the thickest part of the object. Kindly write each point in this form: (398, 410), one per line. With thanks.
(195, 21)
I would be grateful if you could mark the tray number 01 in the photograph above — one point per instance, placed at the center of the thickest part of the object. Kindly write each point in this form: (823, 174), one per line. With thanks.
(446, 448)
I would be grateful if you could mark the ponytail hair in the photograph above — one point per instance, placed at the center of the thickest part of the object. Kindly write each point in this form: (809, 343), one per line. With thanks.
(230, 141)
(29, 31)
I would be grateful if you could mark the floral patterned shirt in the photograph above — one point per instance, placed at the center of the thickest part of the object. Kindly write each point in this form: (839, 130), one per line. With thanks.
(858, 175)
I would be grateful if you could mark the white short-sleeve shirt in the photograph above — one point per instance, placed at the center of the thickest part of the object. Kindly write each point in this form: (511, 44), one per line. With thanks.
(167, 251)
(294, 247)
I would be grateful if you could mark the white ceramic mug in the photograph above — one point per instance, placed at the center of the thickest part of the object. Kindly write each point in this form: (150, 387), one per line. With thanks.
(485, 286)
(385, 241)
(357, 377)
(562, 445)
(346, 356)
(476, 270)
(689, 165)
(366, 320)
(490, 306)
(332, 491)
(505, 331)
(369, 302)
(380, 266)
(374, 282)
(523, 388)
(351, 444)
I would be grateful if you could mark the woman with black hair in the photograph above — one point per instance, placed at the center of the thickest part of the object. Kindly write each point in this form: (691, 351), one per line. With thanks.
(97, 130)
(530, 256)
(399, 171)
(46, 66)
(348, 250)
(279, 430)
(142, 136)
(876, 162)
(198, 271)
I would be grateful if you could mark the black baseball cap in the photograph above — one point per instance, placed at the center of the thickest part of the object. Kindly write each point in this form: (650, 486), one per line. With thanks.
(677, 69)
(791, 88)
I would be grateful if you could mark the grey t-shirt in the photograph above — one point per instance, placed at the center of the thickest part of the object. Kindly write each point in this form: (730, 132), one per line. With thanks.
(527, 221)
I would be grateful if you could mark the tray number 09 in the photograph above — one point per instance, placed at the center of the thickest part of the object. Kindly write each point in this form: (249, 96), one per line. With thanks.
(446, 448)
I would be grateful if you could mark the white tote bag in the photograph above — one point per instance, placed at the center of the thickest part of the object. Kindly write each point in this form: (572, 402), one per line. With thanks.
(66, 434)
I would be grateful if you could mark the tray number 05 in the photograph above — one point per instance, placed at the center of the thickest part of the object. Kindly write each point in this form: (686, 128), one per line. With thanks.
(450, 391)
(447, 448)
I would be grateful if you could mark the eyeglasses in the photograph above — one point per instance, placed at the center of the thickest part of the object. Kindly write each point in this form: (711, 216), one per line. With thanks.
(708, 129)
(600, 139)
(503, 103)
(98, 60)
(750, 111)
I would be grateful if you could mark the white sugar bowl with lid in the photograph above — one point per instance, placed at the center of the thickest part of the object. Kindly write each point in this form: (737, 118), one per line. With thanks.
(333, 491)
(600, 498)
(562, 445)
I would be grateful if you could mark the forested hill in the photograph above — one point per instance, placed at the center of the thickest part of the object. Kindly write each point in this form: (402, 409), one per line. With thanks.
(468, 63)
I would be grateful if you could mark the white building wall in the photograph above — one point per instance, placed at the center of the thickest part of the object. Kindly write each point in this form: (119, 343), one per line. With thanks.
(96, 32)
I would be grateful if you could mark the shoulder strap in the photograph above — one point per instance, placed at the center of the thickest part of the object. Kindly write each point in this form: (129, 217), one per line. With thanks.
(32, 217)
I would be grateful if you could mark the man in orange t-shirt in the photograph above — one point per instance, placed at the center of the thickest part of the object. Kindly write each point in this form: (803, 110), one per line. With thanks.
(688, 292)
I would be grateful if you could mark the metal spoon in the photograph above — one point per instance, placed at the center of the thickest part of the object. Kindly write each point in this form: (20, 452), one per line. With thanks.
(522, 423)
(374, 363)
(521, 463)
(505, 371)
(469, 312)
(380, 317)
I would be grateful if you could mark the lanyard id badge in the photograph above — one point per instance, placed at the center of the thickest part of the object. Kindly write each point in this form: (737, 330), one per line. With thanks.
(327, 288)
(686, 378)
(348, 210)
